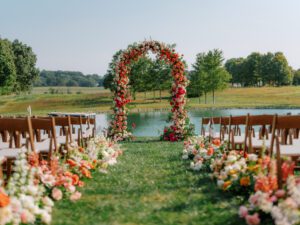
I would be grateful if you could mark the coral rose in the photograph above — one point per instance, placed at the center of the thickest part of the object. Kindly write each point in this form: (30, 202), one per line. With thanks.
(245, 181)
(4, 200)
(57, 194)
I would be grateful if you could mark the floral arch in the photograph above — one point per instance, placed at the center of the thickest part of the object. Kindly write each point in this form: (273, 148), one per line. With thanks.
(118, 127)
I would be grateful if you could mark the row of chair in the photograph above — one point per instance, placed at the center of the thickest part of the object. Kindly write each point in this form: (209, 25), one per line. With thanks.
(43, 135)
(279, 135)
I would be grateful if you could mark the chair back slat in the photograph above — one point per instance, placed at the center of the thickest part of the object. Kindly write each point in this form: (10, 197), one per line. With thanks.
(256, 120)
(288, 122)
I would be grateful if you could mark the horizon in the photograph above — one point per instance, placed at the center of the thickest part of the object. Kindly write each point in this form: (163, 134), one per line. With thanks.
(80, 36)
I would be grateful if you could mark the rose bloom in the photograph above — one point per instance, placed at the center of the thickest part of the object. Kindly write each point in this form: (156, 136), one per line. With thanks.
(243, 211)
(253, 219)
(75, 196)
(57, 194)
(245, 181)
(4, 200)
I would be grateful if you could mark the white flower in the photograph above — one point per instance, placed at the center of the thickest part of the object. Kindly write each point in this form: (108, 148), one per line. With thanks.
(220, 183)
(252, 157)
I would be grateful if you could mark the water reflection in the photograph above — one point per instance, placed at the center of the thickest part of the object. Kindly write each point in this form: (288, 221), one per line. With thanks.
(152, 123)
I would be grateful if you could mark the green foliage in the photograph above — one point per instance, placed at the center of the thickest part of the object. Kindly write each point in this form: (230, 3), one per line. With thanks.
(296, 79)
(208, 74)
(145, 74)
(7, 67)
(25, 61)
(260, 69)
(68, 78)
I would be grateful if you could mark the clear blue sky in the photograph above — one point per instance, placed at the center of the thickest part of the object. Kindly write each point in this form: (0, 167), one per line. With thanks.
(83, 35)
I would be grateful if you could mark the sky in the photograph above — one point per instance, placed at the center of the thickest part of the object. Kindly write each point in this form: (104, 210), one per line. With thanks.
(83, 35)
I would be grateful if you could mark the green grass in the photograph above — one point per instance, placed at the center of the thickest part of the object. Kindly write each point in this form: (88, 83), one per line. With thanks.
(100, 100)
(150, 185)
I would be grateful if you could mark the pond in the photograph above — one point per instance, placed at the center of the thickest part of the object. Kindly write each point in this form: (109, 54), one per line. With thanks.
(152, 123)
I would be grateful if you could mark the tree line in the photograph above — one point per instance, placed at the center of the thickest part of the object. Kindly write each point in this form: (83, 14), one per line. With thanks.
(17, 67)
(258, 69)
(68, 79)
(146, 74)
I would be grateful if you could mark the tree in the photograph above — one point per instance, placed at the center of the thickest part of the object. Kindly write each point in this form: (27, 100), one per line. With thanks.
(216, 75)
(198, 79)
(296, 80)
(25, 61)
(235, 67)
(282, 72)
(7, 67)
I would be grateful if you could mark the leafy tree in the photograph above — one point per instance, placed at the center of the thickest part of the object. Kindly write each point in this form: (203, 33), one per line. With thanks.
(282, 72)
(25, 62)
(7, 67)
(198, 78)
(234, 67)
(216, 75)
(296, 80)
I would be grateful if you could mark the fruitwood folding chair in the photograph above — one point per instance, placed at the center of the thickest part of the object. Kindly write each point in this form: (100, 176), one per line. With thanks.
(48, 143)
(285, 147)
(236, 139)
(64, 126)
(15, 127)
(255, 140)
(77, 130)
(224, 129)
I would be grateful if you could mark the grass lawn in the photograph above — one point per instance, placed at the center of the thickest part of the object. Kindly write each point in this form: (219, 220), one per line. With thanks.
(99, 100)
(150, 185)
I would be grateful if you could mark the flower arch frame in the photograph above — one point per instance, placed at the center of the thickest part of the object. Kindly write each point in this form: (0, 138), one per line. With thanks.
(118, 128)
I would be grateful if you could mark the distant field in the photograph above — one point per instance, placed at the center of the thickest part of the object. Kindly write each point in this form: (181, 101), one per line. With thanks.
(45, 99)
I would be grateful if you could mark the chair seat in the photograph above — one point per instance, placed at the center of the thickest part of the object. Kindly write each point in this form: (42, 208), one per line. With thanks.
(4, 145)
(289, 150)
(258, 143)
(61, 140)
(10, 152)
(43, 146)
(239, 139)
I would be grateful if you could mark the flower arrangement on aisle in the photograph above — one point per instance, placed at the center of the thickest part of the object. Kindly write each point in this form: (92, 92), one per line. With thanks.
(35, 185)
(202, 151)
(118, 128)
(282, 205)
(249, 176)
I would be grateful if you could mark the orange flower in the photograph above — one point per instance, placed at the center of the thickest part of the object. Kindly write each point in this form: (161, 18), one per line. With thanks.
(210, 151)
(80, 183)
(266, 184)
(75, 179)
(216, 142)
(68, 174)
(71, 162)
(81, 149)
(226, 184)
(85, 172)
(245, 181)
(4, 200)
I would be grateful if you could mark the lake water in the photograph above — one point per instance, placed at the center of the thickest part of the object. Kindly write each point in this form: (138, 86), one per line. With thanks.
(152, 123)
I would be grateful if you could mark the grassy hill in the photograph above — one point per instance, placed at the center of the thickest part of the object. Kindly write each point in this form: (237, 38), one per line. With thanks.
(45, 99)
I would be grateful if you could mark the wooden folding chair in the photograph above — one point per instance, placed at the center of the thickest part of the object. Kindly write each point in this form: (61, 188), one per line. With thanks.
(285, 148)
(236, 139)
(15, 127)
(65, 130)
(224, 129)
(205, 122)
(77, 134)
(47, 144)
(254, 141)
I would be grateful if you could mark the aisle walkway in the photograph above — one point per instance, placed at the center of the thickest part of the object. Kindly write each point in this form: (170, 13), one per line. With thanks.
(150, 185)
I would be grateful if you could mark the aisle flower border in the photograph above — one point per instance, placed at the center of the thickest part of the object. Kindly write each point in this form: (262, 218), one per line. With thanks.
(118, 127)
(250, 177)
(36, 184)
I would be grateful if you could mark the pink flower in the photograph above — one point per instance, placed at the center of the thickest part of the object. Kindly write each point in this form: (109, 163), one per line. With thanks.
(24, 217)
(253, 219)
(243, 211)
(57, 194)
(75, 196)
(253, 199)
(280, 193)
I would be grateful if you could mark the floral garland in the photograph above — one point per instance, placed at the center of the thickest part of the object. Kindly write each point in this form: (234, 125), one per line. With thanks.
(118, 127)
